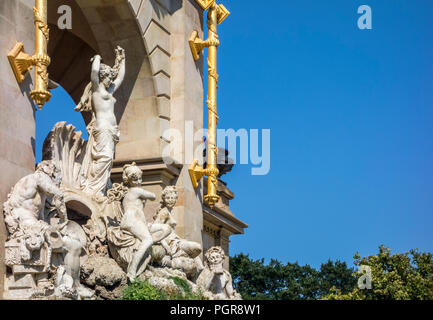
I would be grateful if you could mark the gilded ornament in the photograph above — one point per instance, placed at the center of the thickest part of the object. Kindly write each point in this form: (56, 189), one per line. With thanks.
(22, 63)
(216, 15)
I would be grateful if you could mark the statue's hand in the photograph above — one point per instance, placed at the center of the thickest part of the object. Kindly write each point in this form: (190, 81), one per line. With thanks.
(62, 227)
(120, 52)
(60, 206)
(95, 57)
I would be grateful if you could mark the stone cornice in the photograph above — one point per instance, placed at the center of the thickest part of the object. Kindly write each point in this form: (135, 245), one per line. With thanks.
(224, 220)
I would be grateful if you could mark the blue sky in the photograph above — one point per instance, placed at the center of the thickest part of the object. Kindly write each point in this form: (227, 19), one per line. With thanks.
(351, 119)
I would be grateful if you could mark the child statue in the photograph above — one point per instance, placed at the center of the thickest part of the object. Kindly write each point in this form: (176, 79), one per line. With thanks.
(130, 241)
(181, 254)
(214, 279)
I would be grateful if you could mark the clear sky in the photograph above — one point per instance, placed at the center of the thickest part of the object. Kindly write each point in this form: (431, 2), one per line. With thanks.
(351, 119)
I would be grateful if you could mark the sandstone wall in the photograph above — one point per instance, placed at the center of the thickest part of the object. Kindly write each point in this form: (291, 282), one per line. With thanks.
(17, 125)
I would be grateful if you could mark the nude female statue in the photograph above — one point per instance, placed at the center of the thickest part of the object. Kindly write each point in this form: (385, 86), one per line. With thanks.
(103, 130)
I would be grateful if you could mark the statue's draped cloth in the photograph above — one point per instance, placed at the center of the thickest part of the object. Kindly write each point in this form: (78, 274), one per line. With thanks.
(122, 243)
(98, 159)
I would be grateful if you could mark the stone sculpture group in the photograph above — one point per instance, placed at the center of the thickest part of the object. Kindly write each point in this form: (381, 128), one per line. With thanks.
(50, 256)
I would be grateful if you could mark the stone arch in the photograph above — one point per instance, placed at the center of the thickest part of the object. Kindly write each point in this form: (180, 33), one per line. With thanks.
(78, 206)
(142, 29)
(82, 207)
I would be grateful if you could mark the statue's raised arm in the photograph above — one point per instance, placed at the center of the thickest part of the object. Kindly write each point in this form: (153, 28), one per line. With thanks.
(48, 181)
(120, 66)
(94, 76)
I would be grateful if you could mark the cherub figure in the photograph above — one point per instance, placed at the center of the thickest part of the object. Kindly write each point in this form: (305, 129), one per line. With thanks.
(68, 275)
(134, 220)
(181, 254)
(164, 216)
(215, 279)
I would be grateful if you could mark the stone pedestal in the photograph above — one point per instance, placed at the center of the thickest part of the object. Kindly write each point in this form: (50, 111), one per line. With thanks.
(23, 279)
(220, 222)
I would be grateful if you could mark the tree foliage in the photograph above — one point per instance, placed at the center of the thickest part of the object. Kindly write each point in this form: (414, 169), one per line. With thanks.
(400, 276)
(277, 281)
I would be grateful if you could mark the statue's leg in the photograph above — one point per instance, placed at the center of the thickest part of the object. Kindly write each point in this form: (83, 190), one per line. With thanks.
(192, 249)
(229, 285)
(72, 258)
(140, 230)
(136, 259)
(160, 231)
(26, 218)
(199, 264)
(133, 223)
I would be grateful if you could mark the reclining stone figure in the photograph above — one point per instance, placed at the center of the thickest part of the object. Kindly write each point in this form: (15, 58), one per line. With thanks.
(30, 233)
(24, 208)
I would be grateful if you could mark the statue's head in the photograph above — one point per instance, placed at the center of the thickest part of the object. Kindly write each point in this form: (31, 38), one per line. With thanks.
(169, 196)
(215, 258)
(107, 75)
(50, 169)
(34, 241)
(34, 236)
(132, 175)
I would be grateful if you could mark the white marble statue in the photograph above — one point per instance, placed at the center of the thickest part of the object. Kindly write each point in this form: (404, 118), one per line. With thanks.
(103, 130)
(45, 252)
(32, 241)
(130, 240)
(86, 165)
(68, 274)
(214, 279)
(24, 208)
(180, 253)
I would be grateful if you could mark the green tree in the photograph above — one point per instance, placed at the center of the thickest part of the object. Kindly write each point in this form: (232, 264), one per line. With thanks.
(400, 276)
(276, 281)
(336, 276)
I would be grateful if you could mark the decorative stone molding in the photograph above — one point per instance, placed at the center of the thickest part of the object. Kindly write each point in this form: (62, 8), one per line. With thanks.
(151, 168)
(153, 18)
(212, 231)
(135, 5)
(164, 108)
(152, 10)
(160, 62)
